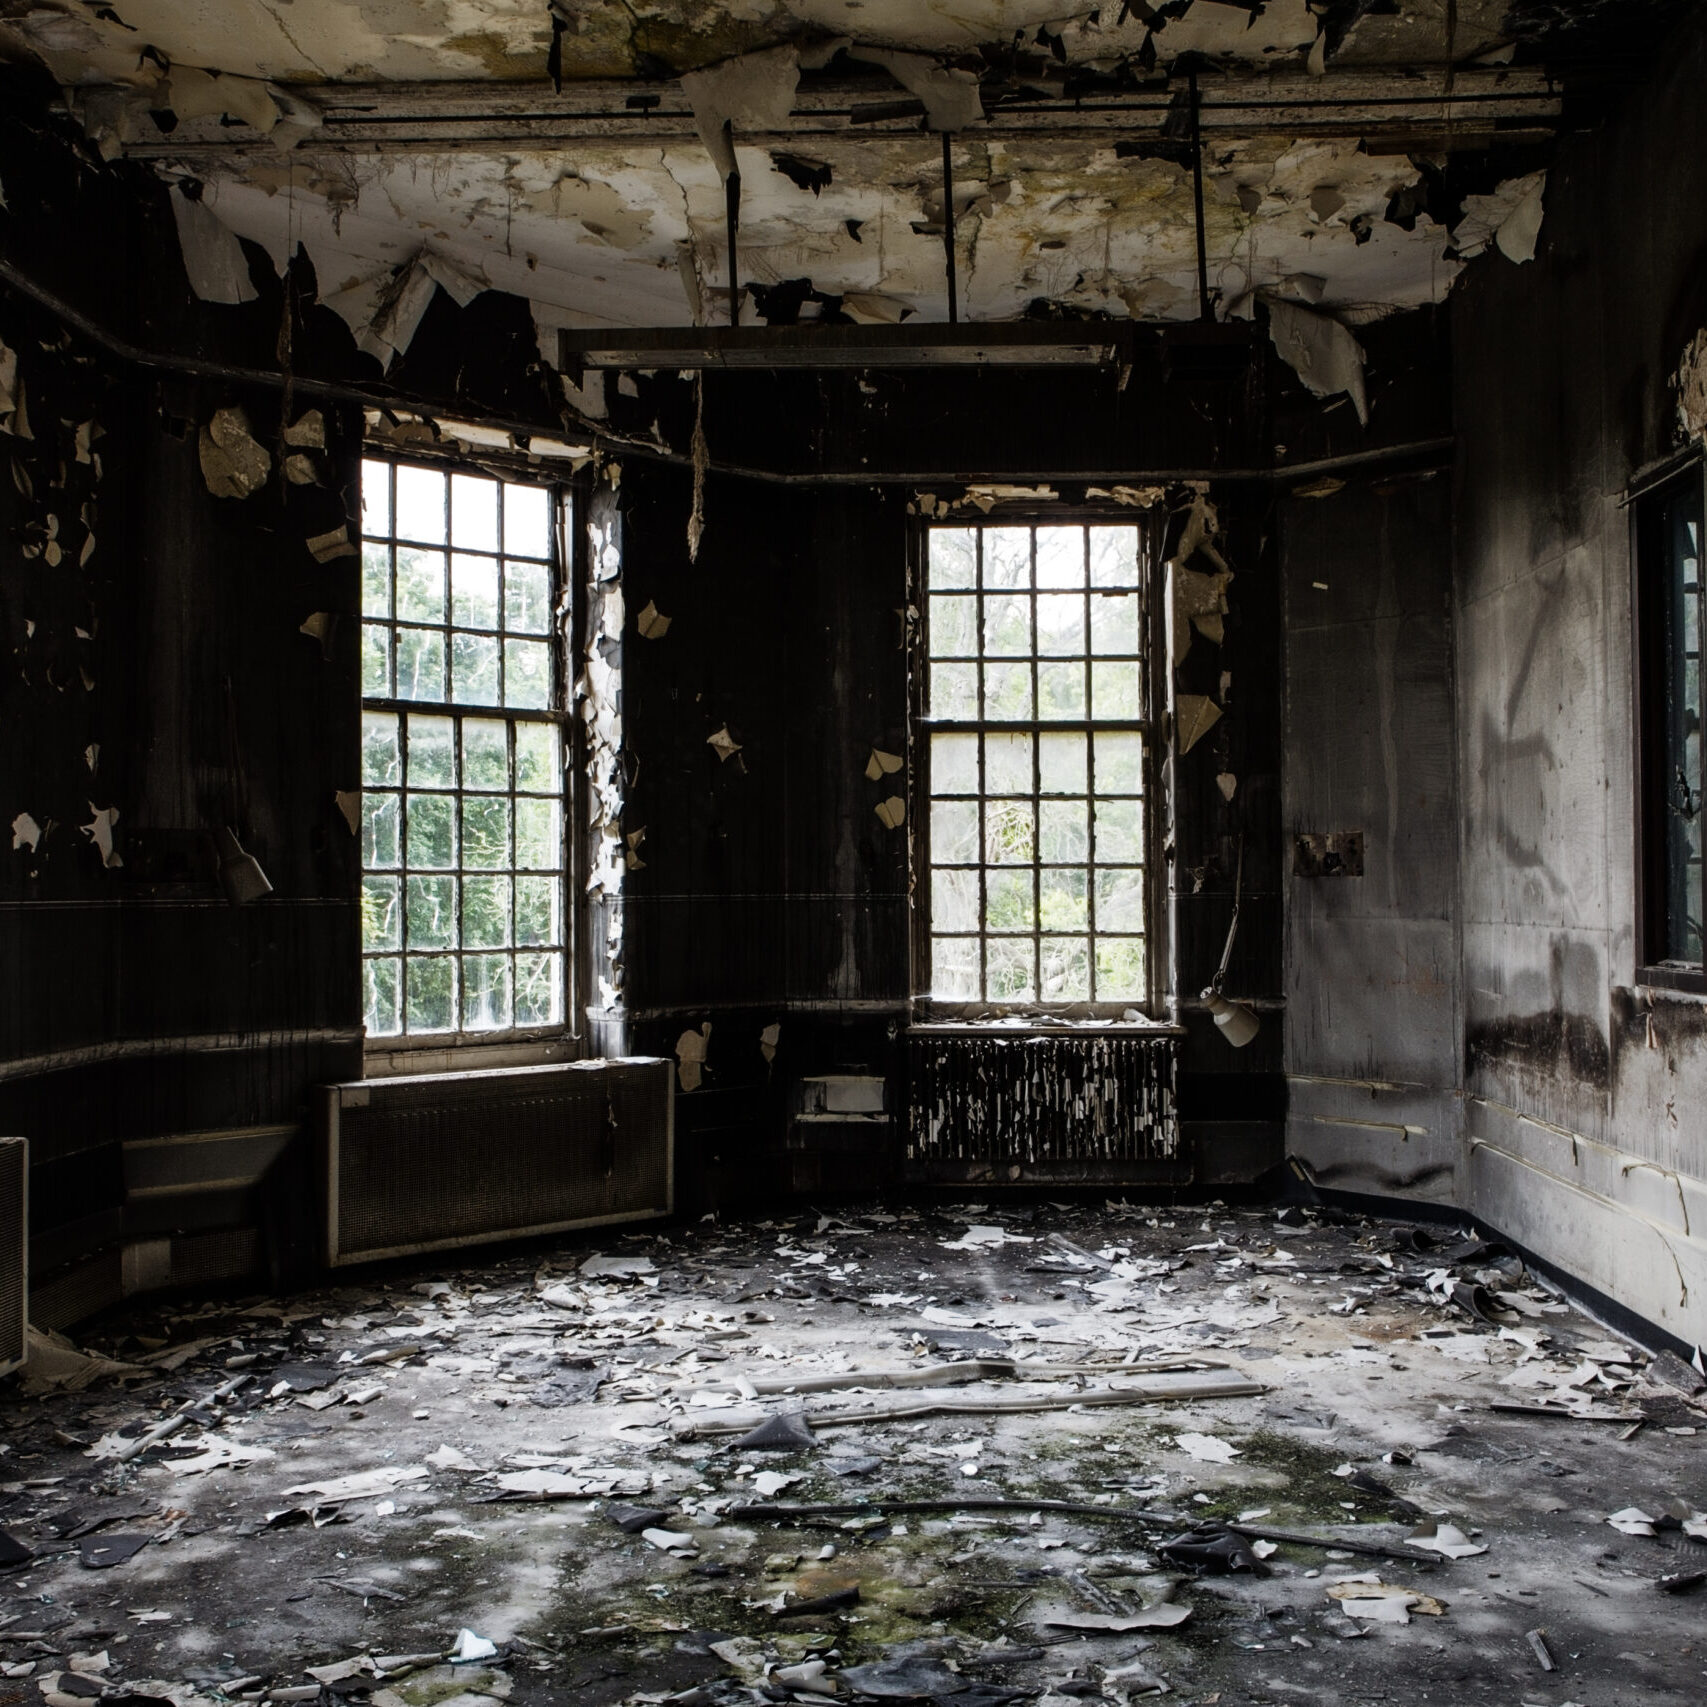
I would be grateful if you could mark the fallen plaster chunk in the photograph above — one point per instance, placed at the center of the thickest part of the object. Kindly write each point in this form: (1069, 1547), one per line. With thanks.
(950, 97)
(752, 93)
(1207, 1448)
(52, 1361)
(213, 254)
(1195, 716)
(100, 831)
(1366, 1596)
(891, 813)
(26, 832)
(652, 622)
(363, 1483)
(1632, 1520)
(234, 463)
(978, 1238)
(470, 1647)
(1446, 1539)
(1322, 352)
(1166, 1616)
(616, 1268)
(691, 1048)
(881, 764)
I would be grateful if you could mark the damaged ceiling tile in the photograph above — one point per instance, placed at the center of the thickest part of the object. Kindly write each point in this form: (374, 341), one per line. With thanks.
(950, 96)
(1322, 352)
(754, 93)
(218, 269)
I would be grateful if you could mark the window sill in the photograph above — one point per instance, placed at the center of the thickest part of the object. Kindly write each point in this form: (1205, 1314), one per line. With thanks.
(1681, 980)
(1034, 1025)
(391, 1058)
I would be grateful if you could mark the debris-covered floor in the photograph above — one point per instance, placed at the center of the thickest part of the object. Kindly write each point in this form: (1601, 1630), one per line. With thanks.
(531, 1478)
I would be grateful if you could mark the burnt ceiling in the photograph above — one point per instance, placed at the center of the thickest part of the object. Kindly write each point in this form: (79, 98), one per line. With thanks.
(1356, 153)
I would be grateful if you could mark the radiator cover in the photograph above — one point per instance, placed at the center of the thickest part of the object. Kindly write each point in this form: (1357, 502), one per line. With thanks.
(447, 1159)
(1093, 1105)
(14, 1251)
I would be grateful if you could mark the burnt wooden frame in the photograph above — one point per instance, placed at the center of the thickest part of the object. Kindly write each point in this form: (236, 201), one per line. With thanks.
(1155, 678)
(564, 634)
(1671, 476)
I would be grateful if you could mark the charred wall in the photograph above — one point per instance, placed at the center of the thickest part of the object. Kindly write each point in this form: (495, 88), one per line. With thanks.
(157, 1043)
(1583, 1092)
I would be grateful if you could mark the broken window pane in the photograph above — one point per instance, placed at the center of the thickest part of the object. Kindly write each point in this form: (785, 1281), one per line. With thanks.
(1009, 832)
(376, 663)
(1062, 900)
(538, 903)
(486, 832)
(432, 832)
(380, 820)
(539, 989)
(432, 752)
(1010, 974)
(382, 763)
(1120, 969)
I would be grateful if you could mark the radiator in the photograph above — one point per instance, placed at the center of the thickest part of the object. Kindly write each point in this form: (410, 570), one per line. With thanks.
(14, 1249)
(446, 1159)
(1061, 1105)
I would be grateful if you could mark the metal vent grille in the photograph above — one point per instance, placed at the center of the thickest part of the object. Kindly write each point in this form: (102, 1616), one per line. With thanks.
(1064, 1105)
(448, 1159)
(14, 1245)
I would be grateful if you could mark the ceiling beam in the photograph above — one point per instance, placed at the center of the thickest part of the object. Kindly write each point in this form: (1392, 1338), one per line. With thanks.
(1432, 107)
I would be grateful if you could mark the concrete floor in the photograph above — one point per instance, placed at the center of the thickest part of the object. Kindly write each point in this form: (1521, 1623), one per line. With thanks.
(434, 1380)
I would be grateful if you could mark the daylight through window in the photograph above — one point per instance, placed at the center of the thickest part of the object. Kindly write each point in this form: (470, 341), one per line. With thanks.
(1035, 712)
(463, 924)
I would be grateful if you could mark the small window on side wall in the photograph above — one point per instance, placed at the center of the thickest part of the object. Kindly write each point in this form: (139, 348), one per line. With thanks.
(1671, 780)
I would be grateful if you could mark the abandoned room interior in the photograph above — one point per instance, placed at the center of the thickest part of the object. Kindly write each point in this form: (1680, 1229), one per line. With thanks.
(852, 851)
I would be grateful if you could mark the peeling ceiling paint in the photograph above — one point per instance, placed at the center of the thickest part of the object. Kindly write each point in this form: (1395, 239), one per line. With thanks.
(606, 232)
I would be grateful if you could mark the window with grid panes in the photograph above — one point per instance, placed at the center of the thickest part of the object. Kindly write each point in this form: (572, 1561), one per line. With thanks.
(1035, 702)
(463, 924)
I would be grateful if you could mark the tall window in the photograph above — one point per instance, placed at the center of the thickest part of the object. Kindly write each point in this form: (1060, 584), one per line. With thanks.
(1038, 761)
(1669, 601)
(463, 926)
